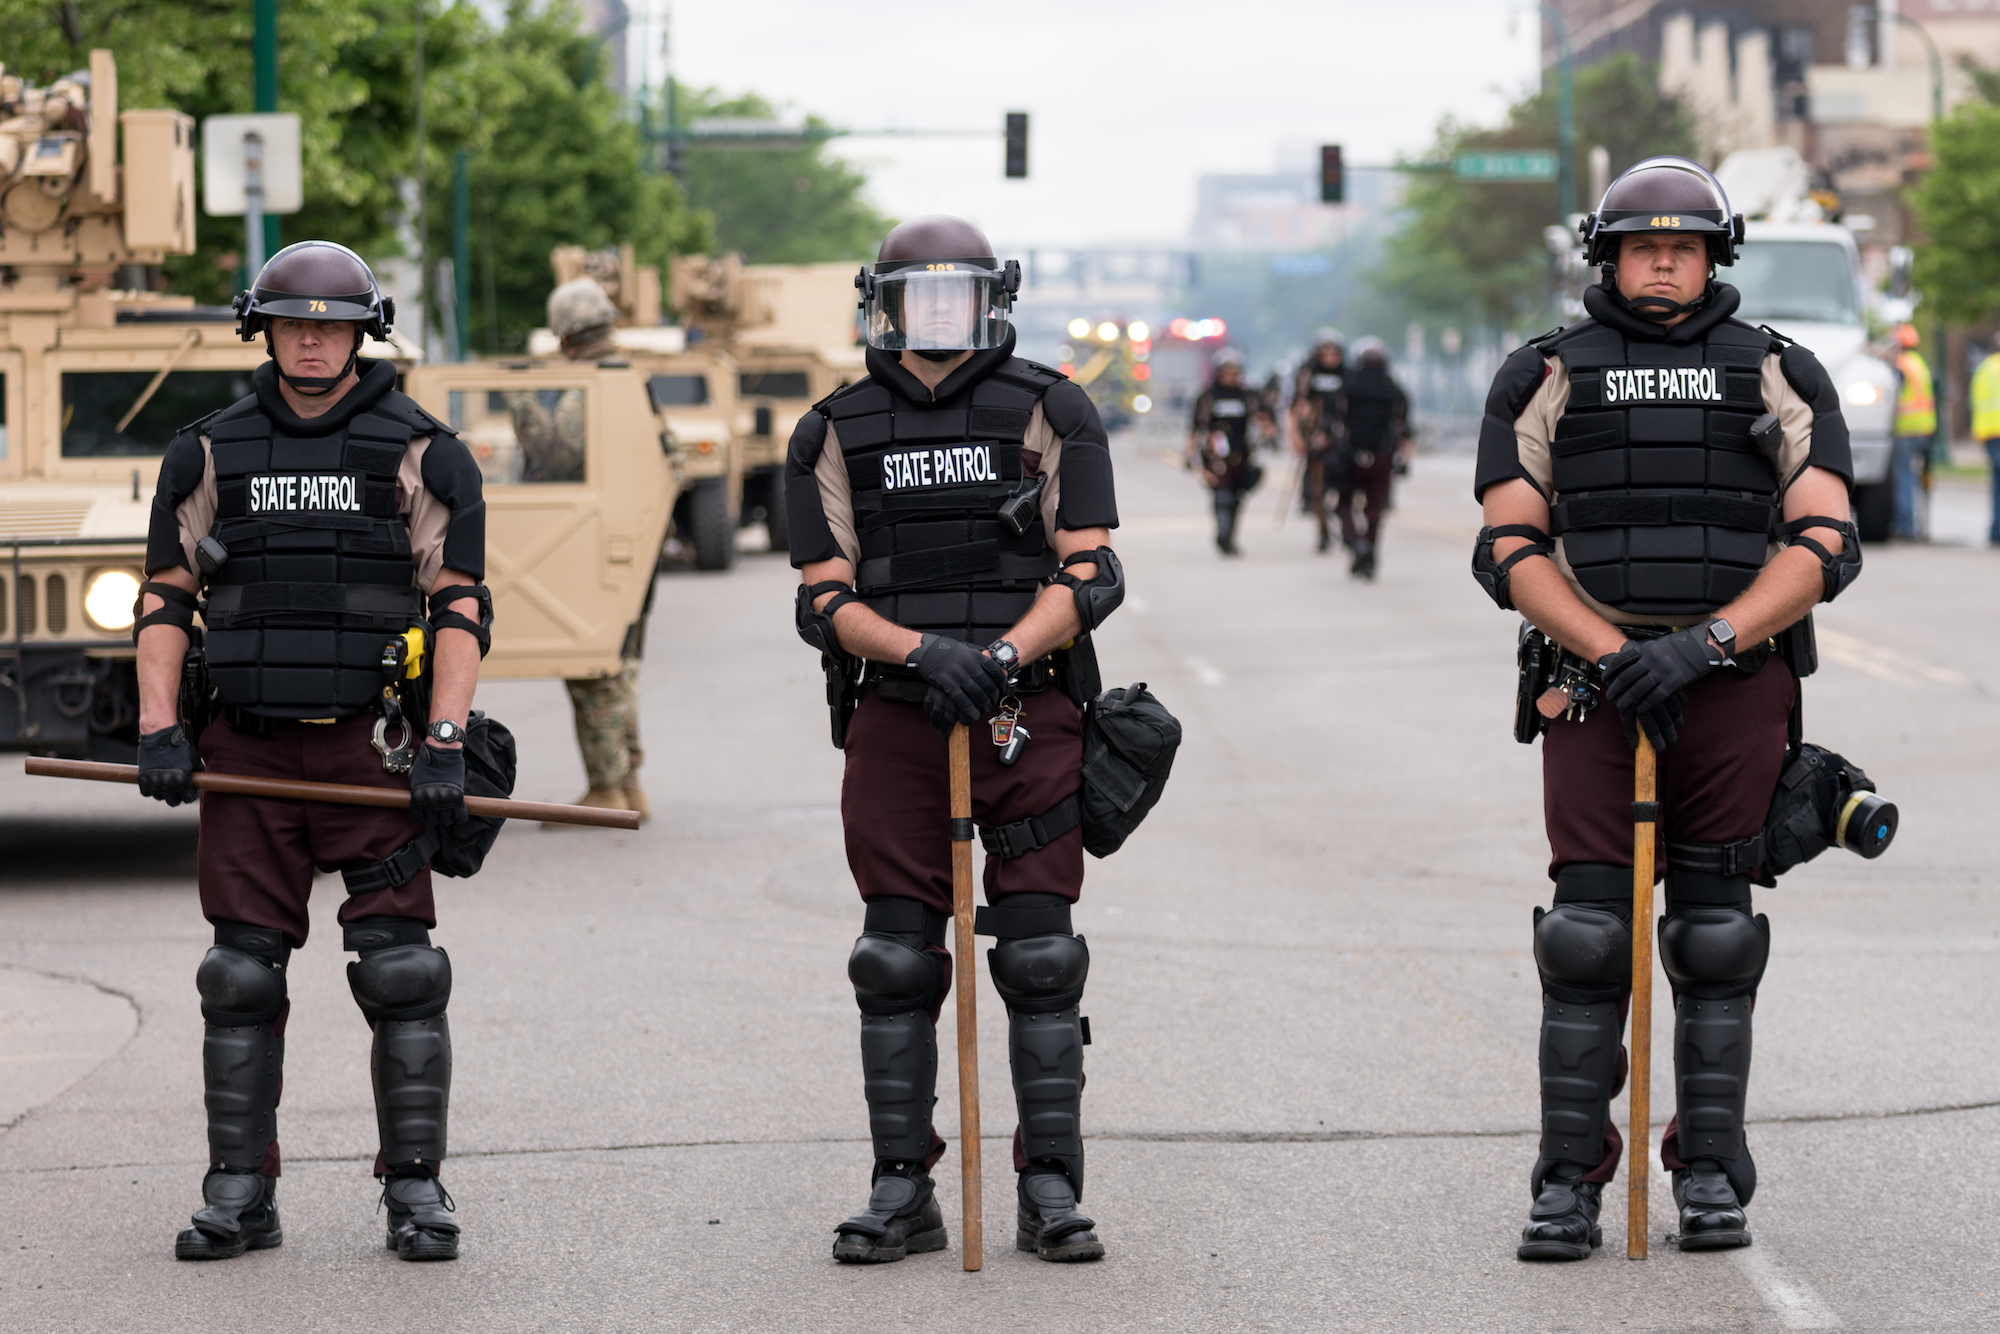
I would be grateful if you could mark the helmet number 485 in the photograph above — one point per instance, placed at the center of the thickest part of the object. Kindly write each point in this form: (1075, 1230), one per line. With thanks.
(1665, 221)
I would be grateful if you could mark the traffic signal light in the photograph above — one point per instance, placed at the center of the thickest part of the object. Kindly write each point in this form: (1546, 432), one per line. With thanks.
(1332, 182)
(1017, 144)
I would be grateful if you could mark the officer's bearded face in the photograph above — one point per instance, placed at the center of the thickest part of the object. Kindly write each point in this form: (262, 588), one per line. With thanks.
(1673, 265)
(312, 349)
(941, 310)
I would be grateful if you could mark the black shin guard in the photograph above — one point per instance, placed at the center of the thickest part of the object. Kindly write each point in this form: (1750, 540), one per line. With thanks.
(242, 986)
(1714, 952)
(1045, 1055)
(402, 984)
(899, 1079)
(1583, 950)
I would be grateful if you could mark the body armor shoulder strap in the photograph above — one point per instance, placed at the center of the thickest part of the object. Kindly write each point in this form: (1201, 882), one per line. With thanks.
(399, 408)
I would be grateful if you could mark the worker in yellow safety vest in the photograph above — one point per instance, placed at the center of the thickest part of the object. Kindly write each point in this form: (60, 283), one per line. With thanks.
(1916, 424)
(1986, 425)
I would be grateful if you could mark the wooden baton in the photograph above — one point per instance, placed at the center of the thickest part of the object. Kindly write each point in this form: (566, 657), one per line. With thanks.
(973, 1238)
(1638, 1149)
(339, 794)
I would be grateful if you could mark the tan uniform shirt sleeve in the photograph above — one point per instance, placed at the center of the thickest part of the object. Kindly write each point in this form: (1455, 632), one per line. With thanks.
(195, 516)
(836, 496)
(1042, 439)
(426, 515)
(1535, 428)
(1795, 416)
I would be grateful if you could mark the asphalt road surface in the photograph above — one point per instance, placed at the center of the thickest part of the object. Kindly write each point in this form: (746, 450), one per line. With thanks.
(1312, 1087)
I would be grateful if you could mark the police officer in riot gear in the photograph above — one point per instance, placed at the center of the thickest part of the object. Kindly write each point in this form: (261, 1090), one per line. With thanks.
(332, 536)
(1221, 446)
(1666, 494)
(951, 516)
(1317, 425)
(1376, 414)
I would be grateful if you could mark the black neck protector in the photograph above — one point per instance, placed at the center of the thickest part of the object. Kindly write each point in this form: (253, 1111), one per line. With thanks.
(1717, 302)
(377, 379)
(887, 369)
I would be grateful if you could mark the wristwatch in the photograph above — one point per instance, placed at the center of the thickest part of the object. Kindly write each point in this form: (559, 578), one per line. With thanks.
(446, 732)
(1724, 635)
(1005, 654)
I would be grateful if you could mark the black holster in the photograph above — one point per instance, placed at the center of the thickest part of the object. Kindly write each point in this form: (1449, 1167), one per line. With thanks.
(843, 692)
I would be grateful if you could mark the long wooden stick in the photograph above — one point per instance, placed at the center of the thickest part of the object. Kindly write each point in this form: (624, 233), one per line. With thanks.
(972, 1233)
(1638, 1149)
(339, 794)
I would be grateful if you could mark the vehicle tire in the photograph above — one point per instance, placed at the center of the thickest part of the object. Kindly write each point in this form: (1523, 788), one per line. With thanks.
(1875, 511)
(775, 522)
(709, 530)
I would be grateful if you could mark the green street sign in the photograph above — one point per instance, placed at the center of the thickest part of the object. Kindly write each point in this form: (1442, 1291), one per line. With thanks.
(1532, 164)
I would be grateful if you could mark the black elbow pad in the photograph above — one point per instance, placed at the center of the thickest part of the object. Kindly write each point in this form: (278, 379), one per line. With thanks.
(1097, 597)
(1837, 568)
(443, 617)
(1495, 576)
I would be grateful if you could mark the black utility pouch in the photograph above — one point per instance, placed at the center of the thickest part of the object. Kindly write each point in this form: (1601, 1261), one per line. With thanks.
(1129, 741)
(455, 850)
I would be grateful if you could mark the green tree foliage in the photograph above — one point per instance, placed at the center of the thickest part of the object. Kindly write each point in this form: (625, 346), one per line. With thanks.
(1958, 210)
(1474, 251)
(554, 158)
(559, 163)
(778, 206)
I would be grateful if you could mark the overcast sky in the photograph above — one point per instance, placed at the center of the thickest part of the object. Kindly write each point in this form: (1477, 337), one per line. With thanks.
(1129, 102)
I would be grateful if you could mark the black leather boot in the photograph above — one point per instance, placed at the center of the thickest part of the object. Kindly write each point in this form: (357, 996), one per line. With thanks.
(420, 1222)
(1711, 1215)
(239, 1213)
(1562, 1223)
(1048, 1221)
(902, 1217)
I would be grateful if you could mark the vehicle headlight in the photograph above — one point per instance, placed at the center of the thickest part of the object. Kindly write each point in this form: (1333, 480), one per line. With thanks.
(109, 598)
(1864, 394)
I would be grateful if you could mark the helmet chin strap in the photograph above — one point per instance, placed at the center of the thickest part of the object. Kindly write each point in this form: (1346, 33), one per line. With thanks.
(1657, 309)
(316, 386)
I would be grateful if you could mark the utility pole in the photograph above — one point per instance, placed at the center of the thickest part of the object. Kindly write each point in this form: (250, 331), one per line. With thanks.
(423, 221)
(1565, 113)
(264, 57)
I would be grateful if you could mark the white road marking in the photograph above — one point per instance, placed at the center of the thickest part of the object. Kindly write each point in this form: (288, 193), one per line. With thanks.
(1884, 664)
(1206, 673)
(1796, 1304)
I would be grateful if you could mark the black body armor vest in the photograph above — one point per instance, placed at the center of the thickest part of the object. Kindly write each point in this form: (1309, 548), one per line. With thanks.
(1664, 505)
(319, 575)
(1371, 409)
(1321, 387)
(929, 481)
(1229, 412)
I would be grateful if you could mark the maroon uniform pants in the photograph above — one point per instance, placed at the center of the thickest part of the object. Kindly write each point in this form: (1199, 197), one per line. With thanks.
(895, 801)
(1715, 786)
(255, 857)
(1369, 481)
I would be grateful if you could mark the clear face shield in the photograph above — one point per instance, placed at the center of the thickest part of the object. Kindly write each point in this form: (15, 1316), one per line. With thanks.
(943, 307)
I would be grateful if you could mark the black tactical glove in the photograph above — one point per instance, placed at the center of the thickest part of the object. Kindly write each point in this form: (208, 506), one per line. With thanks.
(966, 685)
(1647, 682)
(167, 765)
(437, 786)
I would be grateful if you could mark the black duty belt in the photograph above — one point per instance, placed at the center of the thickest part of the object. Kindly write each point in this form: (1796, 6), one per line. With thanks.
(907, 687)
(264, 726)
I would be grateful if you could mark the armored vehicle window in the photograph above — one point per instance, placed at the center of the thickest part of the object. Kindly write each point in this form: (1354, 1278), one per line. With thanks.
(523, 435)
(775, 384)
(678, 391)
(95, 402)
(1795, 280)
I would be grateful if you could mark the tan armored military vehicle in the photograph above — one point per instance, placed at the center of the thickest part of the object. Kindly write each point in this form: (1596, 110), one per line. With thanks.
(791, 329)
(580, 483)
(94, 381)
(692, 386)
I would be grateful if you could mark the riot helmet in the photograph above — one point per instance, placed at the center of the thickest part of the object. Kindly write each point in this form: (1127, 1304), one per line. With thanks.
(1329, 337)
(315, 280)
(1372, 352)
(1663, 194)
(937, 290)
(581, 311)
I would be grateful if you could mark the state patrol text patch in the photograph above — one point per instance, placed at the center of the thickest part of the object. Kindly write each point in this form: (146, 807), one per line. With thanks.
(1663, 384)
(292, 492)
(939, 467)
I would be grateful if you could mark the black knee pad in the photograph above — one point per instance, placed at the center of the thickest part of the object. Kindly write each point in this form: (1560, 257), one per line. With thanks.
(1584, 952)
(1040, 974)
(891, 976)
(1714, 953)
(242, 979)
(400, 974)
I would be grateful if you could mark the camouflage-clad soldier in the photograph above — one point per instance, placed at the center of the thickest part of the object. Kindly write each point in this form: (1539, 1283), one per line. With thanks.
(606, 707)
